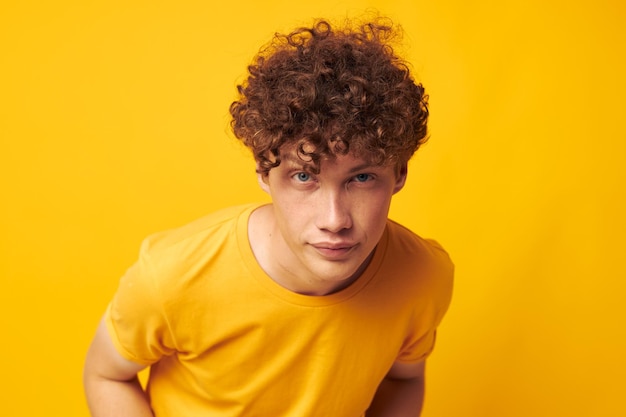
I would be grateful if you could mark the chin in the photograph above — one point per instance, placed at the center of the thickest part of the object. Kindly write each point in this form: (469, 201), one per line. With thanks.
(338, 276)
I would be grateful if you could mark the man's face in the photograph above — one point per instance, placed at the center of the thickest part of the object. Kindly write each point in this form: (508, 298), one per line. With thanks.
(327, 225)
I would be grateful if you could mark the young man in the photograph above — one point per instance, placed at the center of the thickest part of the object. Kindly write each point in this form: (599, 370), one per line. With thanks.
(314, 305)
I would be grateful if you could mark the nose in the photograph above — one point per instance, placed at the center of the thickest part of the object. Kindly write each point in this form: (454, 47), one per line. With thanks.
(333, 211)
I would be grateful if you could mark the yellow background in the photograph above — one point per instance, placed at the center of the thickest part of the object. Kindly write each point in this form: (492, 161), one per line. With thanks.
(113, 125)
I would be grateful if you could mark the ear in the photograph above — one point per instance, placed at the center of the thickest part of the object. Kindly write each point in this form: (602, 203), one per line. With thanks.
(400, 178)
(262, 179)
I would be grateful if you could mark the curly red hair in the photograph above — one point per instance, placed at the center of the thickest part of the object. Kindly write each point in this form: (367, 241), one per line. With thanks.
(331, 91)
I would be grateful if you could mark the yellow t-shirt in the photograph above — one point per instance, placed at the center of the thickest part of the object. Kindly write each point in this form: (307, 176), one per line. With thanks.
(225, 340)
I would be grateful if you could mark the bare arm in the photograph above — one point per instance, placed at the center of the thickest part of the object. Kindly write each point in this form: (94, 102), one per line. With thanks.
(401, 393)
(111, 384)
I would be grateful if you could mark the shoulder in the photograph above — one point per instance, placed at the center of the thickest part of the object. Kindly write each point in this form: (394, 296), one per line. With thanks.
(197, 233)
(406, 243)
(176, 257)
(417, 262)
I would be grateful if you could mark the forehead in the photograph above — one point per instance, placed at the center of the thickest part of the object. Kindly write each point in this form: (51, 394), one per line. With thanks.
(304, 154)
(339, 164)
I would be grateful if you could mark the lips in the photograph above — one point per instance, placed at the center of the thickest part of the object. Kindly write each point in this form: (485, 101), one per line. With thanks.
(333, 250)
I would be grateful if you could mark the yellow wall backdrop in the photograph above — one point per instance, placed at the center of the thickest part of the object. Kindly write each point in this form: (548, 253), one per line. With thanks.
(113, 125)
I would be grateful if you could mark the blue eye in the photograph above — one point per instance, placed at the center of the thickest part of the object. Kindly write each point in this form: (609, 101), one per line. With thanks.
(362, 177)
(302, 176)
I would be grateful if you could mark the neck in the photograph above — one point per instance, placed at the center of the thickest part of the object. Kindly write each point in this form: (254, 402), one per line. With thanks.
(270, 251)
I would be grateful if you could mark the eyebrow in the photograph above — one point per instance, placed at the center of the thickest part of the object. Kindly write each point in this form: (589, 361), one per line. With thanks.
(361, 167)
(296, 162)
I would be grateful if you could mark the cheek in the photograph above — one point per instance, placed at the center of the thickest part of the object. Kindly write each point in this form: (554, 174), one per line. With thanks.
(291, 212)
(373, 215)
(378, 201)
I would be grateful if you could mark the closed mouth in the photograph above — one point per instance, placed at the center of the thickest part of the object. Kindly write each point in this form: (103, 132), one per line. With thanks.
(333, 250)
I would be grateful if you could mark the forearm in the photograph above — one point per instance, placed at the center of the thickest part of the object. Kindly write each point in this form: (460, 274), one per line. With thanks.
(111, 398)
(398, 398)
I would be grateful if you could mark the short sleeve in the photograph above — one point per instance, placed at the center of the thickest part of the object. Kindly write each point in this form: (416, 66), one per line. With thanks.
(431, 306)
(135, 317)
(420, 349)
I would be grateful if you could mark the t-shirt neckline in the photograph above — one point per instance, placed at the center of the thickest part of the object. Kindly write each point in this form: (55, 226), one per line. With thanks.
(263, 279)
